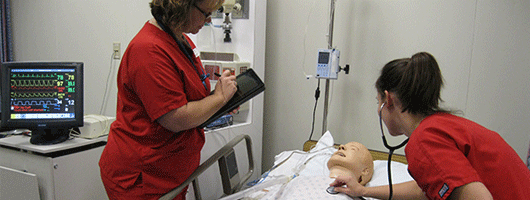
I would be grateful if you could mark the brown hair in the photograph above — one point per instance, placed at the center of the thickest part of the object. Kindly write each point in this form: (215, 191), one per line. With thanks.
(175, 13)
(417, 82)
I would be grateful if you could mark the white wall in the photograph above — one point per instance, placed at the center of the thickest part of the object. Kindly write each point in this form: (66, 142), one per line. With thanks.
(83, 31)
(481, 46)
(65, 30)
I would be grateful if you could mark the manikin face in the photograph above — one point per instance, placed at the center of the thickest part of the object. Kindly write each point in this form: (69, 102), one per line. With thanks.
(353, 156)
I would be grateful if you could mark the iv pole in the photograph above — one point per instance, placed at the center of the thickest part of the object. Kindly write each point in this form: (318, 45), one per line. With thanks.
(330, 43)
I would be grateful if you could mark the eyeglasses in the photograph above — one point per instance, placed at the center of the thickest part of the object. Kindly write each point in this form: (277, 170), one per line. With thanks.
(206, 15)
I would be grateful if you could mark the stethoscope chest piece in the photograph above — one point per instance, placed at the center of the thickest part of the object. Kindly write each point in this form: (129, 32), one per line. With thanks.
(331, 190)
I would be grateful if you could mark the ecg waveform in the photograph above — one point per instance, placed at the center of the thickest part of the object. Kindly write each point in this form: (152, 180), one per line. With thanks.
(42, 85)
(22, 84)
(37, 92)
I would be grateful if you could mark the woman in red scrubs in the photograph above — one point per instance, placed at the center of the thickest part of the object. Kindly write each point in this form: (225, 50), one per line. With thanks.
(163, 95)
(449, 157)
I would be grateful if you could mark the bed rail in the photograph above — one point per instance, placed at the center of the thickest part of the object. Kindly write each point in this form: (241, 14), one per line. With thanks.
(224, 151)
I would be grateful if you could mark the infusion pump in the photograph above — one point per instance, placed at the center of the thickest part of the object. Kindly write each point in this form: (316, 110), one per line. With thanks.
(328, 64)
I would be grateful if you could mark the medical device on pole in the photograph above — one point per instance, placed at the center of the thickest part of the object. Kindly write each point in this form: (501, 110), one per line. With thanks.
(328, 65)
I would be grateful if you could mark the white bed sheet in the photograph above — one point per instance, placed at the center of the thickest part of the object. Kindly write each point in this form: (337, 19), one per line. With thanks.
(278, 182)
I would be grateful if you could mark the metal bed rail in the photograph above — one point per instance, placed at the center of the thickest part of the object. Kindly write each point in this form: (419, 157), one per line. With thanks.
(224, 151)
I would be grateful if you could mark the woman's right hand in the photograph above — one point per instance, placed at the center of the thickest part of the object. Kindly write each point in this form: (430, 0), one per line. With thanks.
(348, 185)
(226, 86)
(406, 190)
(194, 113)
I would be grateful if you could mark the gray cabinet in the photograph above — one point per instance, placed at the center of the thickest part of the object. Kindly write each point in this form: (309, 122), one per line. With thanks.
(68, 170)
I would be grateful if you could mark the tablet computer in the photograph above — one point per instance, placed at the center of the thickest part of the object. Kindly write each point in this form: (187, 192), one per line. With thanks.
(248, 86)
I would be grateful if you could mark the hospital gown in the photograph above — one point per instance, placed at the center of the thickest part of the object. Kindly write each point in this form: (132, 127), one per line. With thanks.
(310, 187)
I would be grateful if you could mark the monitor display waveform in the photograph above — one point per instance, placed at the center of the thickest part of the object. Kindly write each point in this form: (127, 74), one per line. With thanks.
(45, 97)
(42, 92)
(34, 102)
(31, 83)
(34, 94)
(32, 75)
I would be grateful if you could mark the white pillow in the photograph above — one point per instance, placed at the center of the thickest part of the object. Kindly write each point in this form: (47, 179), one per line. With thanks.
(399, 173)
(318, 157)
(318, 166)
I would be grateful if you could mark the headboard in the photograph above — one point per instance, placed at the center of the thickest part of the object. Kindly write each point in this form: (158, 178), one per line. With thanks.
(376, 155)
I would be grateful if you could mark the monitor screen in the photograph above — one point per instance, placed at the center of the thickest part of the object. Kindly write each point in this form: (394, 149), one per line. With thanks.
(45, 97)
(323, 57)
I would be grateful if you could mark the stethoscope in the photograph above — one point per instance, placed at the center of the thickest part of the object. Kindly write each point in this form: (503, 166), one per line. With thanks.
(185, 50)
(391, 149)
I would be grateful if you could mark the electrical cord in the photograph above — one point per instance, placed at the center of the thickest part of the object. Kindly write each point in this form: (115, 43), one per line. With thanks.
(305, 35)
(298, 166)
(15, 132)
(317, 95)
(301, 166)
(105, 96)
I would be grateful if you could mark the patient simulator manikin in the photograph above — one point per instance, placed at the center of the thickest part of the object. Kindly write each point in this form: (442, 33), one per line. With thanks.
(352, 159)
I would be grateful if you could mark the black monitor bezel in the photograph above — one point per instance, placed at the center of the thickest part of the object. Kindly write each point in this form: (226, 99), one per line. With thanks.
(5, 99)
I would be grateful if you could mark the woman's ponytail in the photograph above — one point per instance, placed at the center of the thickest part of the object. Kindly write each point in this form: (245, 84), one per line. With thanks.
(417, 81)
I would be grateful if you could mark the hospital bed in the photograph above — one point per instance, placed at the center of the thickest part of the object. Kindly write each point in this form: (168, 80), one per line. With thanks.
(230, 185)
(291, 167)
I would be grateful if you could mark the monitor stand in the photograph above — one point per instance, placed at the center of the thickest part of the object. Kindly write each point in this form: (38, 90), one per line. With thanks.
(49, 136)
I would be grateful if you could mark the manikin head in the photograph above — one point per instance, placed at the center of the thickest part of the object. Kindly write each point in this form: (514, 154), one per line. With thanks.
(352, 159)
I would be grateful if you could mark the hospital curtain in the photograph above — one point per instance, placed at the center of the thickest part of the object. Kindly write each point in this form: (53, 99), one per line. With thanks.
(6, 37)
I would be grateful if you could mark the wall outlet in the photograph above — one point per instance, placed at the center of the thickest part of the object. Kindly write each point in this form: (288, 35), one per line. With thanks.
(117, 51)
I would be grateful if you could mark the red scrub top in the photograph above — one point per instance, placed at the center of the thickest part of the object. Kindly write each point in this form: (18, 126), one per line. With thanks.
(142, 159)
(447, 151)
